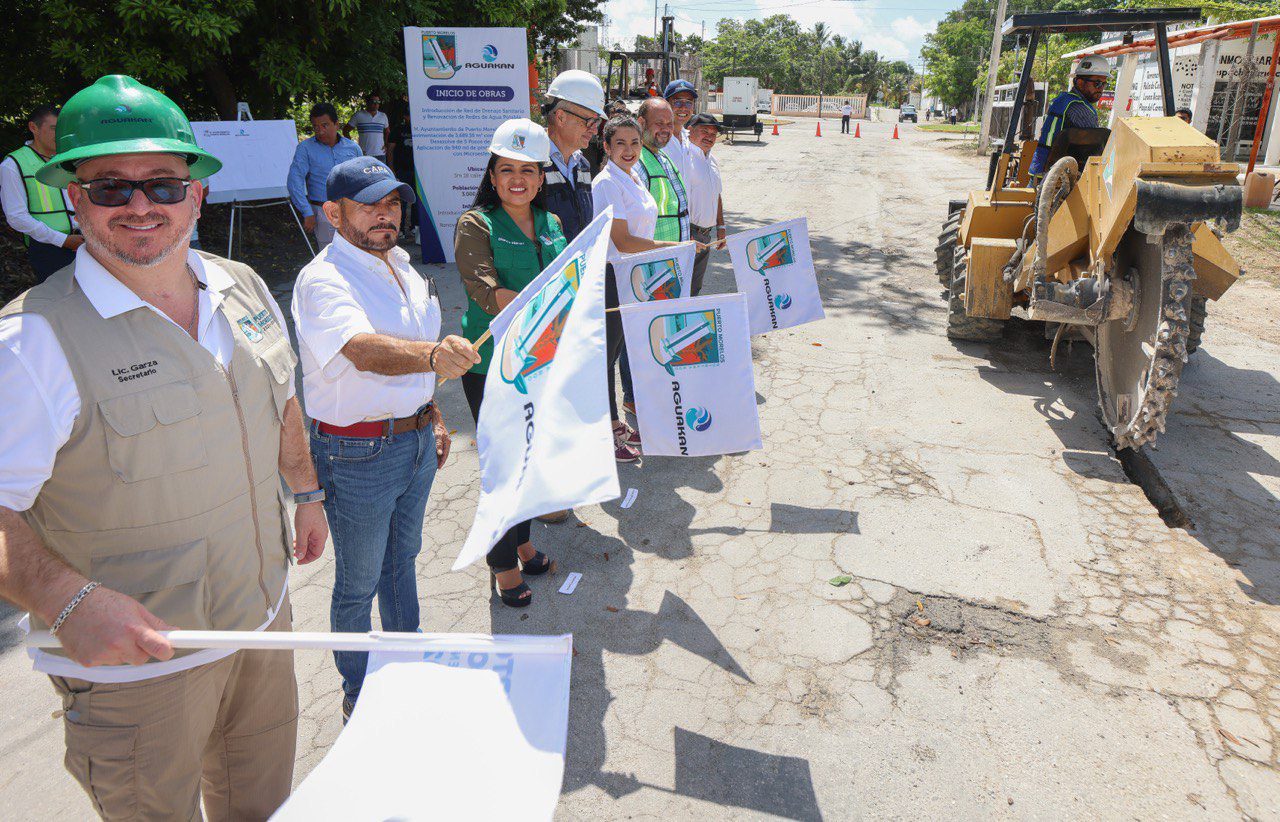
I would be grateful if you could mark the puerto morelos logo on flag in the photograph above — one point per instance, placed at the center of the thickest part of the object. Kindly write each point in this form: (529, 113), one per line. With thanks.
(530, 344)
(771, 251)
(686, 340)
(656, 280)
(439, 53)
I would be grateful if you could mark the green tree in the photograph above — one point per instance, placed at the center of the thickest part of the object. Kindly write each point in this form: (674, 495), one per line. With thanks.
(208, 54)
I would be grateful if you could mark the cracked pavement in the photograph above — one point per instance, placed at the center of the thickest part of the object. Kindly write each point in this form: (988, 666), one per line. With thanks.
(1022, 636)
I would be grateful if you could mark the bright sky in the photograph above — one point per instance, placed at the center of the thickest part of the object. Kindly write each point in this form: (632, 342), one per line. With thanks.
(895, 30)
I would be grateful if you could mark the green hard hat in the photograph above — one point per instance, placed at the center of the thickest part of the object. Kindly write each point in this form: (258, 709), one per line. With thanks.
(119, 115)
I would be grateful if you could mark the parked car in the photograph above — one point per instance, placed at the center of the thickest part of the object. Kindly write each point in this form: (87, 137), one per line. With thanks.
(907, 113)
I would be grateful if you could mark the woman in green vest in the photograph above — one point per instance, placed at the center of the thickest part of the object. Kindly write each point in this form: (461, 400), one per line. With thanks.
(501, 245)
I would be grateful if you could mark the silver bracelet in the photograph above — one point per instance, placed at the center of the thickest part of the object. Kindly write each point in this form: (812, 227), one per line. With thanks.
(71, 606)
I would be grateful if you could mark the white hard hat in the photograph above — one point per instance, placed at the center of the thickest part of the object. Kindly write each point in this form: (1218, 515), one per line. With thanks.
(579, 87)
(521, 139)
(1092, 67)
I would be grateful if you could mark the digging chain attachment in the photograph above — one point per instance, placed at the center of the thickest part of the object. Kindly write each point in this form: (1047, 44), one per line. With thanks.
(1178, 274)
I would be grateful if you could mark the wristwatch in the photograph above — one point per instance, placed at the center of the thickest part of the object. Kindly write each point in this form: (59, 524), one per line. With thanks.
(310, 496)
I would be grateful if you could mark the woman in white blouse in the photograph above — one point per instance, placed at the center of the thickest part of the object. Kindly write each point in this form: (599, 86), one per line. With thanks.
(635, 216)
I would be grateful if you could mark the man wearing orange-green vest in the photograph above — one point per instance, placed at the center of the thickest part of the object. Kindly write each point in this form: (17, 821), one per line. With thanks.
(42, 213)
(660, 174)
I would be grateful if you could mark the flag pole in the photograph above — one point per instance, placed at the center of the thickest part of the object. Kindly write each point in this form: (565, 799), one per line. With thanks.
(373, 641)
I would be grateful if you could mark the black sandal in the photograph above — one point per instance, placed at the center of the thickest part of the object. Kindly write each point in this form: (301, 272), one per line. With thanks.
(512, 597)
(537, 566)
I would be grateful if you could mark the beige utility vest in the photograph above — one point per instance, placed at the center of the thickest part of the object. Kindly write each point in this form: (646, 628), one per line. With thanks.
(168, 488)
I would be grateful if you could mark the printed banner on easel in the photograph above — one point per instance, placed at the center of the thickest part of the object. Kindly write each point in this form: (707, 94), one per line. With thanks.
(691, 369)
(431, 729)
(544, 434)
(773, 267)
(660, 274)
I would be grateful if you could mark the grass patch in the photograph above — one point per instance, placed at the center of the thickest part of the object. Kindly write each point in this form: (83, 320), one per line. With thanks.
(1256, 245)
(947, 128)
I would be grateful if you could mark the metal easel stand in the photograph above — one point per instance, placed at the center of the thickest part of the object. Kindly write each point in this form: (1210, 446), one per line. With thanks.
(237, 218)
(237, 207)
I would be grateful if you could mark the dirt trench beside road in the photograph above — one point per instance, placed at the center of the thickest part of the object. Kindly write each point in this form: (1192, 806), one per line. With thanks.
(1021, 635)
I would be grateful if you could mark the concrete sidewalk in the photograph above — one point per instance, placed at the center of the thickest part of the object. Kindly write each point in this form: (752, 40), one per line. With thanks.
(1023, 637)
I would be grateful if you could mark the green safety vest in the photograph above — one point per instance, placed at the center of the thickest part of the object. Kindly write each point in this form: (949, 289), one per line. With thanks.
(518, 261)
(44, 202)
(668, 192)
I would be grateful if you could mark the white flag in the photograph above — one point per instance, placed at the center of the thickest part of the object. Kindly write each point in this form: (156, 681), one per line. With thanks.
(432, 729)
(773, 266)
(661, 274)
(691, 370)
(544, 435)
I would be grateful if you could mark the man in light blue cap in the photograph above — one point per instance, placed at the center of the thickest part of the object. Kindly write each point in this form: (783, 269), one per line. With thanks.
(367, 327)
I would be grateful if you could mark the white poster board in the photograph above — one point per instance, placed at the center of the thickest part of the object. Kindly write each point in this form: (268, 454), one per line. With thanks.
(463, 84)
(255, 157)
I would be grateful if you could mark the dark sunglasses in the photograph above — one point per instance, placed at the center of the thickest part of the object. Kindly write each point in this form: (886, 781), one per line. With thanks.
(1095, 81)
(112, 192)
(589, 122)
(681, 103)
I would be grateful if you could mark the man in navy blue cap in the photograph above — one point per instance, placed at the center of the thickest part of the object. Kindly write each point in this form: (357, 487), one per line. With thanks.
(367, 326)
(683, 98)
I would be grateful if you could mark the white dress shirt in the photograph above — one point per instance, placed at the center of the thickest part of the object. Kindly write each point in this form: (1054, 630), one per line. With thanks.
(704, 187)
(679, 150)
(13, 198)
(630, 199)
(347, 291)
(42, 403)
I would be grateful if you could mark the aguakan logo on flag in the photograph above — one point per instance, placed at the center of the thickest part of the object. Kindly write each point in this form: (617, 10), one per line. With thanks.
(771, 251)
(438, 54)
(530, 343)
(686, 340)
(773, 267)
(661, 274)
(695, 392)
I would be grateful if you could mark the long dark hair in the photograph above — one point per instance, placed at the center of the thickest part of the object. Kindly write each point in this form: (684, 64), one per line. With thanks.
(487, 196)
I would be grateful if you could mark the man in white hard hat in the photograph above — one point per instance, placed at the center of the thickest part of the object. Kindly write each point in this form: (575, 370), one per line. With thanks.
(574, 112)
(1073, 108)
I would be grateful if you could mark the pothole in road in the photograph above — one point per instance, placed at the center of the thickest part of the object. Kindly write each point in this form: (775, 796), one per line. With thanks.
(962, 624)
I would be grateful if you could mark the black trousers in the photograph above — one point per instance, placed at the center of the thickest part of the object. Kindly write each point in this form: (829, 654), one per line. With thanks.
(46, 259)
(613, 343)
(844, 124)
(503, 556)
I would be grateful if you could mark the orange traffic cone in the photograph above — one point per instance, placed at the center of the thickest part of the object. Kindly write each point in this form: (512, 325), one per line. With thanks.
(775, 129)
(895, 131)
(857, 129)
(819, 133)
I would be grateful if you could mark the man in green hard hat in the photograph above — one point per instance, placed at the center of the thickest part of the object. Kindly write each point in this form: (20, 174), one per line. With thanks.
(149, 419)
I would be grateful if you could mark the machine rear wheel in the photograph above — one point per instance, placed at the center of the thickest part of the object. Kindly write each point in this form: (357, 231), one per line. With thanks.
(960, 326)
(945, 251)
(1139, 359)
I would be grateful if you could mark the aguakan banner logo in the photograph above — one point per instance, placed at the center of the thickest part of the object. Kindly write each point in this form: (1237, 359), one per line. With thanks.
(771, 251)
(530, 343)
(687, 340)
(656, 280)
(439, 53)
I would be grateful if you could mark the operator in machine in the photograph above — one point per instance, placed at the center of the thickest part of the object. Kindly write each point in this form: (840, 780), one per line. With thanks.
(1073, 108)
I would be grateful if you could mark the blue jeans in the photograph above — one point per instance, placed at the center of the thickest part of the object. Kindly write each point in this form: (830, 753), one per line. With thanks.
(376, 491)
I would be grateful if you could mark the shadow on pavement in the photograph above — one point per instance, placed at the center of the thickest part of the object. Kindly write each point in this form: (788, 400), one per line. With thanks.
(725, 774)
(1205, 455)
(10, 635)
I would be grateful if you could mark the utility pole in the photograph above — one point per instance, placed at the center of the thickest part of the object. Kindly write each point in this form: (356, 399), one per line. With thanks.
(996, 39)
(655, 22)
